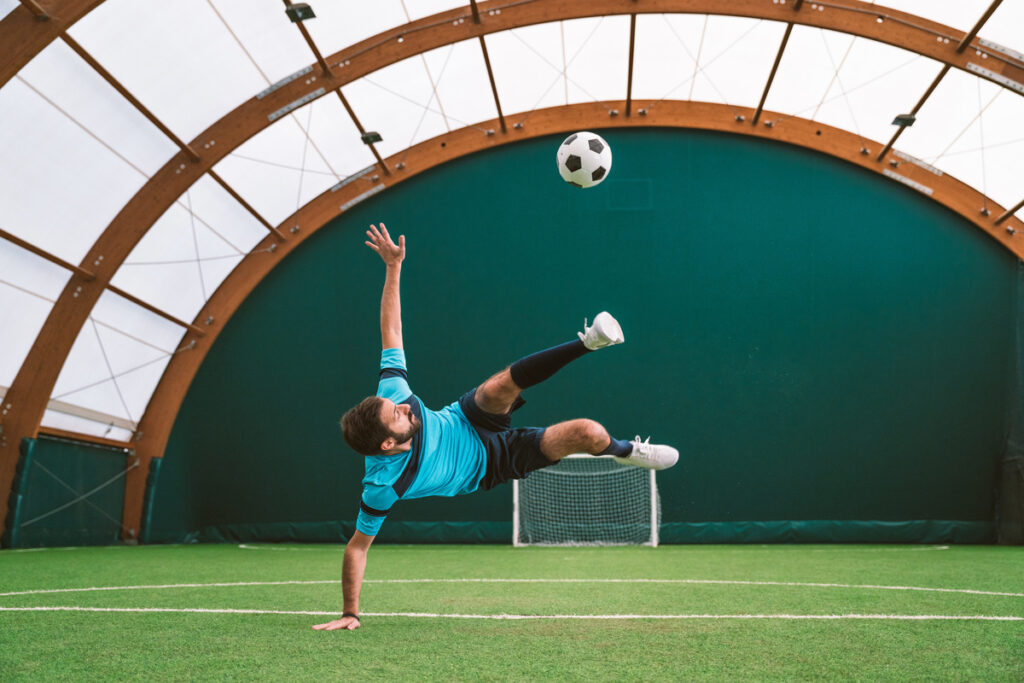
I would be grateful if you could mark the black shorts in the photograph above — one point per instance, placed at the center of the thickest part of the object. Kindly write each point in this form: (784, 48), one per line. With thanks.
(511, 453)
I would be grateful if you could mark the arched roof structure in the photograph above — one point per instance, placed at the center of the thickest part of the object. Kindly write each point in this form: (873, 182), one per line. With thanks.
(82, 80)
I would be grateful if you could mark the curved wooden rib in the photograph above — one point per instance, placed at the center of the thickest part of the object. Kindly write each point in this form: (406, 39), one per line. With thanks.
(31, 388)
(23, 36)
(163, 408)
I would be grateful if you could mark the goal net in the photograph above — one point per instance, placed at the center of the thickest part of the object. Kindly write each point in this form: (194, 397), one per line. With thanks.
(586, 500)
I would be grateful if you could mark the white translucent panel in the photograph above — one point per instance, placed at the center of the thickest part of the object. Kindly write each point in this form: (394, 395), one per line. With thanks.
(961, 14)
(876, 83)
(170, 281)
(527, 64)
(948, 131)
(67, 187)
(25, 270)
(986, 152)
(297, 158)
(178, 58)
(73, 423)
(597, 58)
(21, 318)
(183, 258)
(336, 138)
(735, 59)
(417, 9)
(117, 359)
(6, 6)
(272, 40)
(398, 102)
(847, 82)
(340, 24)
(464, 94)
(28, 287)
(665, 56)
(229, 223)
(1006, 26)
(74, 86)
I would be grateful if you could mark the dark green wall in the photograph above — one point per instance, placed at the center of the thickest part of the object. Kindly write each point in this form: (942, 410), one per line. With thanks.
(820, 344)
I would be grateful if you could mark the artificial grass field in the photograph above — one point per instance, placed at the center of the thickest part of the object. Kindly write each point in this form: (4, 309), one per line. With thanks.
(83, 645)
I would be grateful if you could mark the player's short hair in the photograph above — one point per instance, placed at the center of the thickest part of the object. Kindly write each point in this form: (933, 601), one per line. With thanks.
(362, 427)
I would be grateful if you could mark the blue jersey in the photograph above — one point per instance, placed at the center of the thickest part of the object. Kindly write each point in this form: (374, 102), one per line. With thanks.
(447, 457)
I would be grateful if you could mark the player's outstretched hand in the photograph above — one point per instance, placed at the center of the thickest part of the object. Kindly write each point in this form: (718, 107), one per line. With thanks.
(347, 623)
(380, 241)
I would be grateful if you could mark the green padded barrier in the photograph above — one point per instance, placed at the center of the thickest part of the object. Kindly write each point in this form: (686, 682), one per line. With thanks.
(17, 497)
(70, 494)
(340, 532)
(1011, 502)
(1010, 494)
(828, 531)
(810, 531)
(819, 342)
(148, 499)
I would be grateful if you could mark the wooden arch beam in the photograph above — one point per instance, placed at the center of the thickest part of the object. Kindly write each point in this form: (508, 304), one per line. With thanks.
(26, 402)
(25, 36)
(163, 408)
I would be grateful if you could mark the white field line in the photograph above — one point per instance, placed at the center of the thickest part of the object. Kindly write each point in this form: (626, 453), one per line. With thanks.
(429, 615)
(172, 586)
(473, 580)
(246, 546)
(877, 550)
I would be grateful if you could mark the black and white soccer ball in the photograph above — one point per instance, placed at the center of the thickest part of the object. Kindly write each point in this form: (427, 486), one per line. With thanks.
(584, 159)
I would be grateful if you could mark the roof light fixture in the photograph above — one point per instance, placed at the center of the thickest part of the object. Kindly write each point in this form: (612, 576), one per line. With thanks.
(299, 11)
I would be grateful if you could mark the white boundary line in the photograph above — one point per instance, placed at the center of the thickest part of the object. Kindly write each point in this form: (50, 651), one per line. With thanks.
(838, 548)
(472, 580)
(428, 615)
(245, 546)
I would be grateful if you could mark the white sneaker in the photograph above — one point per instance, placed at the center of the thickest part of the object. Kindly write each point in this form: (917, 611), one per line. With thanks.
(605, 331)
(650, 456)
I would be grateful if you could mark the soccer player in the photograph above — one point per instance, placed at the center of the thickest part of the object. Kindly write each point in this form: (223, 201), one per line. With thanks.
(470, 445)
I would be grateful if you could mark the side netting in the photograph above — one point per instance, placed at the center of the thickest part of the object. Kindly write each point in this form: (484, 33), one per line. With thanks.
(586, 500)
(68, 493)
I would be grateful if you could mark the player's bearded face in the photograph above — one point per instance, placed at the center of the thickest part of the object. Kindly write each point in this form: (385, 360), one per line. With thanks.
(414, 426)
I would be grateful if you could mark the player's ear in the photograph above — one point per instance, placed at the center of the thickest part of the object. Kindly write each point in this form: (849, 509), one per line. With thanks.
(387, 444)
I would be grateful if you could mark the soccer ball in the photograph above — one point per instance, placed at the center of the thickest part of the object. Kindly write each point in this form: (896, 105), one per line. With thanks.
(584, 159)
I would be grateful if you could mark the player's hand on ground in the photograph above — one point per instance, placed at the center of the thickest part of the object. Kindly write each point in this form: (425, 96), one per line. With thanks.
(347, 623)
(380, 241)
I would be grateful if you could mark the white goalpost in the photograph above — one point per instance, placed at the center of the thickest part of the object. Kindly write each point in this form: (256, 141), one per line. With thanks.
(586, 500)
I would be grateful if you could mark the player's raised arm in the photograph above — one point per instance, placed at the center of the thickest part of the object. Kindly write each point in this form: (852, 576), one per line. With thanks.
(391, 303)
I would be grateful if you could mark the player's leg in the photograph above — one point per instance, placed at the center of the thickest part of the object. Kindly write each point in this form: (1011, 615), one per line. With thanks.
(499, 393)
(588, 436)
(578, 436)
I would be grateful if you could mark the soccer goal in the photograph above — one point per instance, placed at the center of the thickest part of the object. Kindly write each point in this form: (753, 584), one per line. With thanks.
(586, 500)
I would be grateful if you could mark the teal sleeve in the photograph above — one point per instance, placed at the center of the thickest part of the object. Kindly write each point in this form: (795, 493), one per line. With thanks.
(394, 376)
(374, 507)
(393, 358)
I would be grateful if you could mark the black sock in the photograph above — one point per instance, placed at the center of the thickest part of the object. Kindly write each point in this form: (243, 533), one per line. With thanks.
(537, 367)
(618, 447)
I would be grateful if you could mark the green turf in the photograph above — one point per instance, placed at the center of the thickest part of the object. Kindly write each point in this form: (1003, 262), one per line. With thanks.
(176, 646)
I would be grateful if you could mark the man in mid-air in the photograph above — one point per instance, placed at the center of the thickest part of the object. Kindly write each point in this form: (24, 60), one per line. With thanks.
(470, 445)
